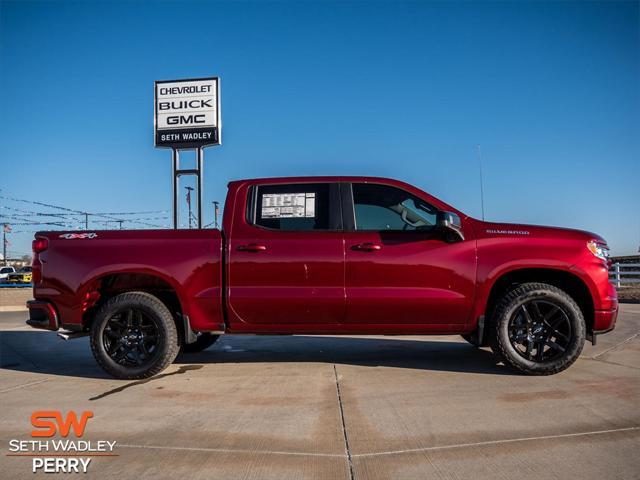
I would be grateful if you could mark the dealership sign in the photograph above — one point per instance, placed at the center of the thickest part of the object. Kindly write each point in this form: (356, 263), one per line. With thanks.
(187, 113)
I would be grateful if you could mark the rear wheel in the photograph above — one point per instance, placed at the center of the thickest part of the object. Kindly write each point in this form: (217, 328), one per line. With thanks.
(134, 336)
(204, 341)
(538, 329)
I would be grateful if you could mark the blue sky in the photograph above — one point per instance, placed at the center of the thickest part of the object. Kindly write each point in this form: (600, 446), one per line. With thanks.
(550, 90)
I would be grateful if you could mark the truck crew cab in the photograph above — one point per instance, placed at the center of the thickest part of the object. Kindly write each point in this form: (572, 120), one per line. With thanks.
(326, 255)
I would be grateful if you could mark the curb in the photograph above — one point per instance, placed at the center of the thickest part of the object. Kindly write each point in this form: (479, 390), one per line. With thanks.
(13, 308)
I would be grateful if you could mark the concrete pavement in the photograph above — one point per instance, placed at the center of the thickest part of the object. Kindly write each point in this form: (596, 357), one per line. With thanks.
(335, 407)
(14, 299)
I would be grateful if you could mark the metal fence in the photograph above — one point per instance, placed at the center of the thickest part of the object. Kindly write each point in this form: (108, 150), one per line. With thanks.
(624, 274)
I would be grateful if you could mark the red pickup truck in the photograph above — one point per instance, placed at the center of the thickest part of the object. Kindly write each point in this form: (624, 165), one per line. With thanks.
(326, 255)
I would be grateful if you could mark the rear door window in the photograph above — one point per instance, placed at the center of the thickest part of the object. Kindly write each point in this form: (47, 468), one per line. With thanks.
(296, 207)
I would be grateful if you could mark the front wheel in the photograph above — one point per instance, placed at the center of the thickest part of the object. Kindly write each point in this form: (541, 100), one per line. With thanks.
(538, 329)
(134, 336)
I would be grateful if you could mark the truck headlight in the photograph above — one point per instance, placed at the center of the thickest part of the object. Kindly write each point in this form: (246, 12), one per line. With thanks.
(600, 250)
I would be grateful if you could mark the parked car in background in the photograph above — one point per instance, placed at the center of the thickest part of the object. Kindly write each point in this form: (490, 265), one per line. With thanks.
(23, 275)
(4, 273)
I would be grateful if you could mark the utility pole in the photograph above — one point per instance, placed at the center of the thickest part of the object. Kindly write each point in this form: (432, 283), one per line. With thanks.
(86, 221)
(189, 190)
(120, 222)
(216, 209)
(4, 244)
(481, 180)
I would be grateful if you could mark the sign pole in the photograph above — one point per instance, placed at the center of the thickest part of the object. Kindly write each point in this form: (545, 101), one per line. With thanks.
(175, 160)
(200, 154)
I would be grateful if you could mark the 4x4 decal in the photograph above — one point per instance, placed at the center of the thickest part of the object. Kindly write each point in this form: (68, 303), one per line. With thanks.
(71, 236)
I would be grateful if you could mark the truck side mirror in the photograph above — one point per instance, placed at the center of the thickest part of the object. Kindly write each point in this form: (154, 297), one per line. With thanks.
(449, 223)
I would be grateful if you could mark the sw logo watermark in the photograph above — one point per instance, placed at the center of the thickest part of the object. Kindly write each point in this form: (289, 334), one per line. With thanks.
(56, 444)
(45, 427)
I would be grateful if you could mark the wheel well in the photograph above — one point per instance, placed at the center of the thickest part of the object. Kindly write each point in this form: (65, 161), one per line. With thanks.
(115, 284)
(565, 281)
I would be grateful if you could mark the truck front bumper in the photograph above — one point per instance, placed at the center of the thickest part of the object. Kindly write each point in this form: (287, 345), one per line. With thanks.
(42, 314)
(604, 321)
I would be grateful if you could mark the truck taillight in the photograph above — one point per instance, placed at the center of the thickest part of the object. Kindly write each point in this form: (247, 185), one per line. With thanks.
(39, 245)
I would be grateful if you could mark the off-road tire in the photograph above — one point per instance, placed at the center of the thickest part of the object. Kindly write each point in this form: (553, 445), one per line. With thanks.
(151, 307)
(204, 341)
(507, 308)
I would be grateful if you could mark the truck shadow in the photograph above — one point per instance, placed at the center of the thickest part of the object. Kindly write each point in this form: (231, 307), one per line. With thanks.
(423, 353)
(44, 353)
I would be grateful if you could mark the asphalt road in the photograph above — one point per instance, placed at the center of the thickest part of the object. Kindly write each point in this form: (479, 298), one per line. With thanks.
(281, 407)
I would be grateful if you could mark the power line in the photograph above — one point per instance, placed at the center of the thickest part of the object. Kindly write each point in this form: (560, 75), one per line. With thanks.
(20, 217)
(30, 212)
(133, 213)
(79, 212)
(39, 223)
(32, 202)
(70, 211)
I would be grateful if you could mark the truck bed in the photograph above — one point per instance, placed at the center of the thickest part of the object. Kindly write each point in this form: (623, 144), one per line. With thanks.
(76, 264)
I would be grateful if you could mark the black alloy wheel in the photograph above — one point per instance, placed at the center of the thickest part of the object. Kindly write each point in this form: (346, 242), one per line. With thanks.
(537, 329)
(131, 338)
(540, 330)
(134, 335)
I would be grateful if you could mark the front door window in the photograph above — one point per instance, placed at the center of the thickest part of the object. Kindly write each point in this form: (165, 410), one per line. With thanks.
(382, 208)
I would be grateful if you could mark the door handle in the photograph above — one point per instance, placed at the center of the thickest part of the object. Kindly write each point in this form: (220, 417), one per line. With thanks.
(252, 247)
(367, 247)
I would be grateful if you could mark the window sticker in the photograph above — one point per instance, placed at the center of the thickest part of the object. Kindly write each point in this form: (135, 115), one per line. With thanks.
(289, 205)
